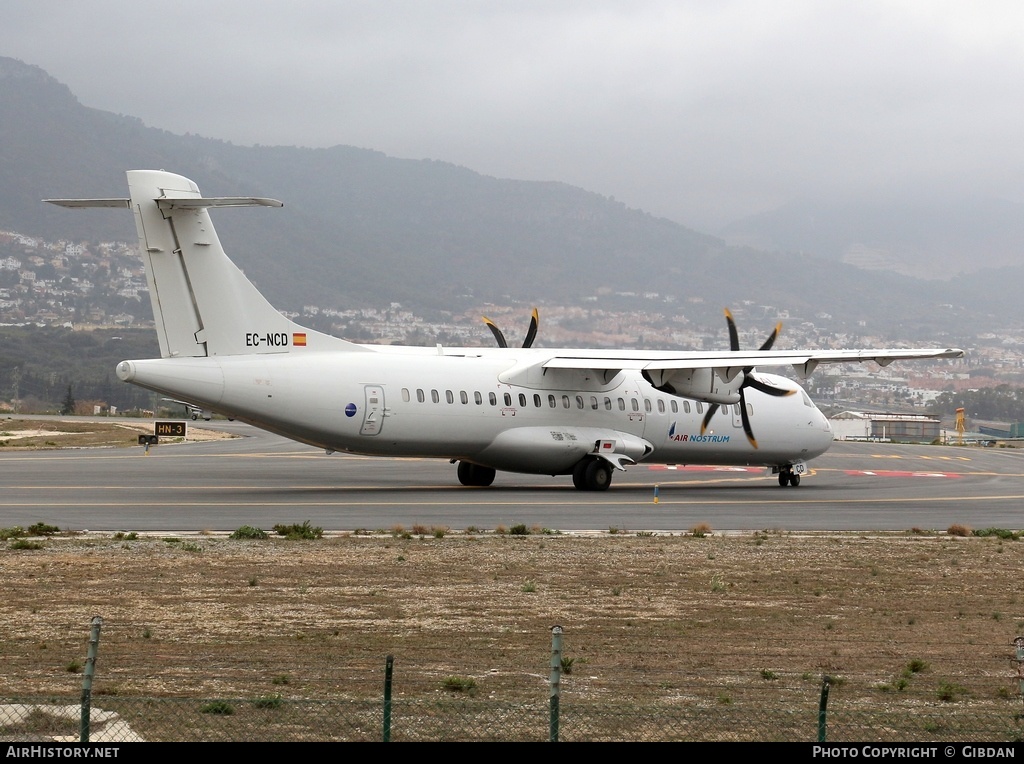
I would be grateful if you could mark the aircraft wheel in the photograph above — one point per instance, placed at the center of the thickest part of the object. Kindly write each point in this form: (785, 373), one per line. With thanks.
(466, 473)
(794, 480)
(783, 478)
(579, 475)
(599, 475)
(474, 475)
(484, 475)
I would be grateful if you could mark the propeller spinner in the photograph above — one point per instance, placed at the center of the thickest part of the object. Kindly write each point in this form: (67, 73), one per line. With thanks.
(748, 380)
(531, 333)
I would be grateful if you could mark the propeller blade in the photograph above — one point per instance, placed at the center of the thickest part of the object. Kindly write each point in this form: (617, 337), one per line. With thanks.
(531, 333)
(771, 338)
(496, 332)
(734, 337)
(707, 417)
(746, 421)
(778, 392)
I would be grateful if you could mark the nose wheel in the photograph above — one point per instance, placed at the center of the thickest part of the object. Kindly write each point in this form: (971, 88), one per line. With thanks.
(788, 477)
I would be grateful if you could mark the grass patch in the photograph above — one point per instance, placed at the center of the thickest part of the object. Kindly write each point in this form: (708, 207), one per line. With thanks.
(25, 544)
(296, 532)
(1001, 533)
(269, 701)
(219, 707)
(249, 532)
(461, 684)
(700, 530)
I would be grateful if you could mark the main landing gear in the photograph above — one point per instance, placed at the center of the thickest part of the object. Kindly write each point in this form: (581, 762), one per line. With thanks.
(592, 475)
(787, 476)
(475, 475)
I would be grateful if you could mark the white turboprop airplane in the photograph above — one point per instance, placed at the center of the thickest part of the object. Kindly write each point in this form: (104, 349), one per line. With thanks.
(583, 413)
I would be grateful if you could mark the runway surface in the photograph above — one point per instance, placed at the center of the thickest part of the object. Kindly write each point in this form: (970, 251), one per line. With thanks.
(260, 479)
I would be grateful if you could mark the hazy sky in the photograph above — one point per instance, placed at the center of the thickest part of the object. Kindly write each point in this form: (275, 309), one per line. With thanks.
(699, 111)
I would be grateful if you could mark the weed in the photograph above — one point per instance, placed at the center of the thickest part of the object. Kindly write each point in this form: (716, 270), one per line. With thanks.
(439, 532)
(281, 679)
(717, 584)
(188, 546)
(916, 666)
(249, 532)
(25, 544)
(529, 587)
(221, 707)
(519, 530)
(616, 591)
(268, 701)
(566, 664)
(956, 529)
(613, 530)
(948, 691)
(419, 530)
(769, 675)
(253, 581)
(42, 529)
(700, 530)
(122, 536)
(724, 700)
(15, 531)
(146, 633)
(460, 684)
(472, 529)
(73, 667)
(1001, 533)
(296, 532)
(500, 530)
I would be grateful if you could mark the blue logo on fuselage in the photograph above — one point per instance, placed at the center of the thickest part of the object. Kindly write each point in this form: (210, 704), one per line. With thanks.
(350, 410)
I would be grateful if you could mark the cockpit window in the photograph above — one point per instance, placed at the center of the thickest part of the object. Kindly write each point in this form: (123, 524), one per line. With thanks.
(807, 399)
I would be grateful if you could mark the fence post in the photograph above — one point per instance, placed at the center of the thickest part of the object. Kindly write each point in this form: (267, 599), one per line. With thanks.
(555, 682)
(823, 707)
(1019, 644)
(90, 670)
(389, 667)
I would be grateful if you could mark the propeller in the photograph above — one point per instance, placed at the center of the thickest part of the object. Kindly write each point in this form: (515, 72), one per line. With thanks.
(749, 380)
(531, 333)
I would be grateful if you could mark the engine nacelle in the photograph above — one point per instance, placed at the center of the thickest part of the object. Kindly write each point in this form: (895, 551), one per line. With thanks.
(721, 385)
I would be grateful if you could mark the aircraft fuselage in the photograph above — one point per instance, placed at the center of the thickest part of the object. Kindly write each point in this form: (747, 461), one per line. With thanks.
(453, 403)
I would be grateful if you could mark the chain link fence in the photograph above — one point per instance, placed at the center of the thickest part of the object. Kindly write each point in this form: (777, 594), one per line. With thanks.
(118, 719)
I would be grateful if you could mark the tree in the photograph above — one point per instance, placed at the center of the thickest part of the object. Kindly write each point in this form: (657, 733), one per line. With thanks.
(68, 406)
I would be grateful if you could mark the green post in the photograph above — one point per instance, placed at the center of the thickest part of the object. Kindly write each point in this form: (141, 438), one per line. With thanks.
(1019, 644)
(389, 668)
(90, 670)
(823, 707)
(555, 682)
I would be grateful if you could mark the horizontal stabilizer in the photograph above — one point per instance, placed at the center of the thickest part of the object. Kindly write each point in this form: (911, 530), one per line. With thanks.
(216, 201)
(118, 203)
(166, 203)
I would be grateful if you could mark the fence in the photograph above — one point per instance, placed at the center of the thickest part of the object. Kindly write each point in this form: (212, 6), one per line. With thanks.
(824, 711)
(120, 719)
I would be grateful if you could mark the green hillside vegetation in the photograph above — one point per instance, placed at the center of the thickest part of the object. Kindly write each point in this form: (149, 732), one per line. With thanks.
(37, 364)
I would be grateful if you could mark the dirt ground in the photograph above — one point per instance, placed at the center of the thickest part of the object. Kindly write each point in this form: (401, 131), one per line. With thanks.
(912, 616)
(923, 616)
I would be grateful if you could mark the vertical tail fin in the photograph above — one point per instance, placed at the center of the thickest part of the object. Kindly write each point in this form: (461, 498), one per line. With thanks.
(203, 304)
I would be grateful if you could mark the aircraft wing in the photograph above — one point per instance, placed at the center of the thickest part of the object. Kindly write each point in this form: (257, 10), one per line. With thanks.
(803, 361)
